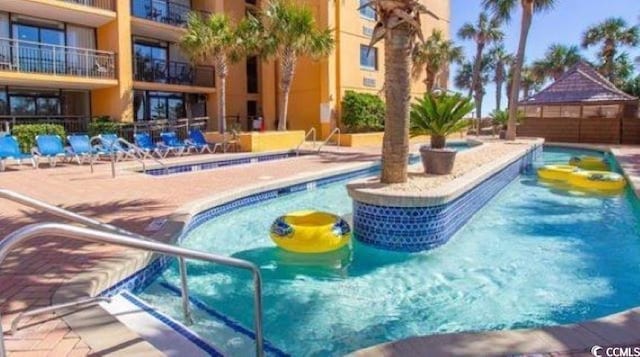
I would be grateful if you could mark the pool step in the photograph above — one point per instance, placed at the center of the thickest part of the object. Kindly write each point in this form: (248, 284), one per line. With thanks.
(167, 335)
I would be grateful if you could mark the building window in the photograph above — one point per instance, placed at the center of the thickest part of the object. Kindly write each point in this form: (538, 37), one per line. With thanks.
(368, 57)
(367, 12)
(252, 75)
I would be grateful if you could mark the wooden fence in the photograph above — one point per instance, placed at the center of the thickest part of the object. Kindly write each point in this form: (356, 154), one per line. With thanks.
(583, 130)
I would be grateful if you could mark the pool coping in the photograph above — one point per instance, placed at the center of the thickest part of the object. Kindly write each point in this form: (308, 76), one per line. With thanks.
(107, 273)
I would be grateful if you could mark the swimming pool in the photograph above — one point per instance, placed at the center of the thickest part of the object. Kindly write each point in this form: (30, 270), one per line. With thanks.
(535, 255)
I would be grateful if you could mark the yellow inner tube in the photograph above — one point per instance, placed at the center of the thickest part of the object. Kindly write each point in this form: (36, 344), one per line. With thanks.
(556, 172)
(310, 232)
(590, 163)
(597, 180)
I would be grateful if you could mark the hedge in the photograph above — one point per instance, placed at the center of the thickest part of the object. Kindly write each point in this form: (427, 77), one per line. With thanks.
(102, 125)
(362, 112)
(26, 133)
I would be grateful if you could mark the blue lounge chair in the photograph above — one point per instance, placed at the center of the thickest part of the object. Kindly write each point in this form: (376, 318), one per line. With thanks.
(81, 148)
(112, 144)
(170, 141)
(51, 147)
(146, 146)
(200, 143)
(10, 149)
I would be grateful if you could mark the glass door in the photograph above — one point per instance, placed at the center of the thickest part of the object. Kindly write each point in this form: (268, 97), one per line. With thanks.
(38, 49)
(151, 62)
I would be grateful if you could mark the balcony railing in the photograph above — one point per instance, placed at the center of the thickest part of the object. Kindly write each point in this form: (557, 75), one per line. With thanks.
(100, 4)
(42, 58)
(167, 12)
(172, 72)
(71, 123)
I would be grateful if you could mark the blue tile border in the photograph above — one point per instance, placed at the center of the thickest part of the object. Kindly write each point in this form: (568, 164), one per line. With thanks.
(178, 327)
(210, 165)
(414, 229)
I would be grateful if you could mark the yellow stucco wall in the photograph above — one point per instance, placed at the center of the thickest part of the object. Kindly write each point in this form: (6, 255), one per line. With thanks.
(116, 101)
(264, 141)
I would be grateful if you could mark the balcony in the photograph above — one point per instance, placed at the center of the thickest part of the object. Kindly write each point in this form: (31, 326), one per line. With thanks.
(100, 4)
(173, 73)
(166, 12)
(160, 18)
(80, 65)
(92, 13)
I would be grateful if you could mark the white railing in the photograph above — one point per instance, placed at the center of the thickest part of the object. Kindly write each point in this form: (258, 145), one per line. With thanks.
(36, 57)
(101, 4)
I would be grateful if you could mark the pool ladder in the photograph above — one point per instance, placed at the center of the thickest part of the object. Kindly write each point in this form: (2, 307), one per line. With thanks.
(99, 232)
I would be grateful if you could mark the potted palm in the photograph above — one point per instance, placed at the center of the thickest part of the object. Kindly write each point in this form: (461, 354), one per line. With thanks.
(439, 115)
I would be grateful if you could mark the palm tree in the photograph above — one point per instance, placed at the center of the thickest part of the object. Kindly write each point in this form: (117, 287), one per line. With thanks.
(531, 82)
(218, 39)
(288, 32)
(623, 69)
(464, 77)
(434, 56)
(612, 33)
(500, 59)
(557, 60)
(398, 25)
(504, 9)
(485, 31)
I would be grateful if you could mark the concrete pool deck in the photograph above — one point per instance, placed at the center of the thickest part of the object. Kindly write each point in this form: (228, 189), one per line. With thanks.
(31, 276)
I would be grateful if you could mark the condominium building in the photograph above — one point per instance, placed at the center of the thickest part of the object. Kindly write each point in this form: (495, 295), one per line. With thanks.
(69, 60)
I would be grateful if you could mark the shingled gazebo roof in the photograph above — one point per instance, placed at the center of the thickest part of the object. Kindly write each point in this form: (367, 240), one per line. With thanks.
(580, 84)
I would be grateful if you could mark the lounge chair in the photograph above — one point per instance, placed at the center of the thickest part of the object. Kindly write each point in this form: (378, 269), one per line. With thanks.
(111, 144)
(51, 147)
(147, 148)
(200, 143)
(80, 148)
(10, 149)
(170, 141)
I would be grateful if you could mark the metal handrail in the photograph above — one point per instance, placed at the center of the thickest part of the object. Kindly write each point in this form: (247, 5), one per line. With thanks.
(94, 224)
(304, 140)
(136, 150)
(326, 141)
(96, 236)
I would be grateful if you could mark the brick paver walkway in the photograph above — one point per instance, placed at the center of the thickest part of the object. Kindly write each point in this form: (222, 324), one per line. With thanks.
(31, 274)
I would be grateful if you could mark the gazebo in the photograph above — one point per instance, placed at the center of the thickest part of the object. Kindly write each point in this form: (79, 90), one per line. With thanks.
(581, 106)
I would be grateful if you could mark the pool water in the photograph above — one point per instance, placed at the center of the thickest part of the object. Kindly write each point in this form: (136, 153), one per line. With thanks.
(537, 254)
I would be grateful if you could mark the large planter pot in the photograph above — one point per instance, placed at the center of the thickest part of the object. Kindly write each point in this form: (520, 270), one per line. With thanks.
(437, 161)
(503, 134)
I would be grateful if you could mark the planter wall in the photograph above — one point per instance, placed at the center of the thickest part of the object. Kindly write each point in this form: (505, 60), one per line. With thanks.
(413, 228)
(264, 141)
(375, 139)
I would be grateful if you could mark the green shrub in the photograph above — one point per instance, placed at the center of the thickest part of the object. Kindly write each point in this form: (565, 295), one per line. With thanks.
(102, 125)
(26, 133)
(362, 112)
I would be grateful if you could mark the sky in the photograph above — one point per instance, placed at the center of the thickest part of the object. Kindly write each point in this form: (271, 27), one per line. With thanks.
(564, 24)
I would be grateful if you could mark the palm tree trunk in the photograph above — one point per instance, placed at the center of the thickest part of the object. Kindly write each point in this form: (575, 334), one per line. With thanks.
(395, 146)
(430, 80)
(527, 17)
(221, 92)
(499, 83)
(609, 58)
(288, 67)
(475, 82)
